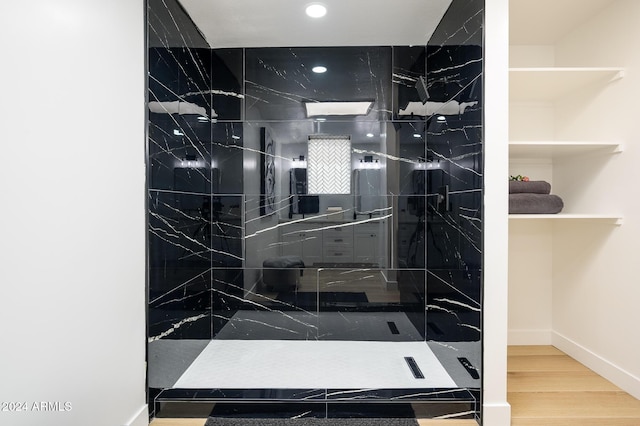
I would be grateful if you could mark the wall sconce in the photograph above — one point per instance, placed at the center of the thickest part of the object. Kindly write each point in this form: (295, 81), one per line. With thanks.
(190, 161)
(426, 163)
(299, 163)
(368, 162)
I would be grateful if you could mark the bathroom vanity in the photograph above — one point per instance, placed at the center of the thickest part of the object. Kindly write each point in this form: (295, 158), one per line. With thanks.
(342, 243)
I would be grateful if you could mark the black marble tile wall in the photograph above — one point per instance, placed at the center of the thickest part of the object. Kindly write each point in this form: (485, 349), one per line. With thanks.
(182, 240)
(208, 239)
(280, 80)
(454, 64)
(227, 83)
(409, 67)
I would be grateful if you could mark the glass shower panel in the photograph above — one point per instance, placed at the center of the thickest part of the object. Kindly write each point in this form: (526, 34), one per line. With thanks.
(265, 297)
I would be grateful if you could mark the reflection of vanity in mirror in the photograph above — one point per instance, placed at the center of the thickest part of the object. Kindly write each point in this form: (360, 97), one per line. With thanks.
(330, 233)
(327, 228)
(292, 234)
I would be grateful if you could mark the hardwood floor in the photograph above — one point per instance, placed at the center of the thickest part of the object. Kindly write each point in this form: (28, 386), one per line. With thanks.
(547, 387)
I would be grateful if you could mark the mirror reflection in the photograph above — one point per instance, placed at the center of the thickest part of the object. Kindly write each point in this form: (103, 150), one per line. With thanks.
(314, 206)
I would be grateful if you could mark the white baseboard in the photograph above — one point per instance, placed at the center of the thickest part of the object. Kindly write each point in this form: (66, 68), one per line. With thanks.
(141, 418)
(616, 375)
(496, 414)
(529, 337)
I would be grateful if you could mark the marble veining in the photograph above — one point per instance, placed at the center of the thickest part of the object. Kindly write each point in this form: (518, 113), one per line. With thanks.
(396, 261)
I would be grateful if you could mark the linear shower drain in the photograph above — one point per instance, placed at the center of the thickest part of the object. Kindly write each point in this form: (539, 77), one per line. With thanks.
(413, 365)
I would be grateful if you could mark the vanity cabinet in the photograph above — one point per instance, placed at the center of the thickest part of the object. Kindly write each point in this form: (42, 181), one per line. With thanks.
(337, 245)
(366, 240)
(360, 243)
(296, 240)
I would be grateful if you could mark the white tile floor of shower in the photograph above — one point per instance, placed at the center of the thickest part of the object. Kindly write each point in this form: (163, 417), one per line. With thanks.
(308, 364)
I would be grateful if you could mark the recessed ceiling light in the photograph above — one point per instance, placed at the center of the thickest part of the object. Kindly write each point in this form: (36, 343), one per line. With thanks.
(416, 135)
(319, 69)
(316, 10)
(321, 119)
(323, 109)
(369, 135)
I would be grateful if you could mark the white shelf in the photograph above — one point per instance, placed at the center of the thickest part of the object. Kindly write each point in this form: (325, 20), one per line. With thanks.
(548, 84)
(569, 216)
(558, 149)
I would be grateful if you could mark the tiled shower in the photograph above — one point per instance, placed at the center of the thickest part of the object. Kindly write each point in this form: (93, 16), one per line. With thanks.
(266, 296)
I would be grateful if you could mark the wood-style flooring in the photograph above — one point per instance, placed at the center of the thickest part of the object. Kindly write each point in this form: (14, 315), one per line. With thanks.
(546, 387)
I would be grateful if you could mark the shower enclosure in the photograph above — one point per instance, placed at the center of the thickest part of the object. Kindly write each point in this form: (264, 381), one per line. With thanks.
(307, 262)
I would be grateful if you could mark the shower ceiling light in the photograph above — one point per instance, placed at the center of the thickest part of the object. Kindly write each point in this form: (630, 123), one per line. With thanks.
(319, 69)
(315, 109)
(316, 10)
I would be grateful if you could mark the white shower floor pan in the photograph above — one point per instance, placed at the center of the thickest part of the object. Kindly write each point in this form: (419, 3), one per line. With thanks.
(294, 364)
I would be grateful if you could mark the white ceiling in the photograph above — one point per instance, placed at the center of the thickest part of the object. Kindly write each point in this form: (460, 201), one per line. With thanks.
(283, 23)
(547, 21)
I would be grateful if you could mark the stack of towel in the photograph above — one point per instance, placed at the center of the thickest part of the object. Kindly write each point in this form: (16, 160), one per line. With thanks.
(533, 197)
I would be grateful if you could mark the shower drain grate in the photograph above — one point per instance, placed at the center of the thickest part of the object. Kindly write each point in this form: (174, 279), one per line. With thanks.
(393, 327)
(413, 365)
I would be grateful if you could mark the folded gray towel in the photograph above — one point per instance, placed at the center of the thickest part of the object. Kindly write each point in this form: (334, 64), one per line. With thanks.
(530, 187)
(535, 204)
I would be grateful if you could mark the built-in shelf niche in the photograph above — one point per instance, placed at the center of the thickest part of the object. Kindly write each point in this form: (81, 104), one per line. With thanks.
(538, 84)
(612, 218)
(553, 150)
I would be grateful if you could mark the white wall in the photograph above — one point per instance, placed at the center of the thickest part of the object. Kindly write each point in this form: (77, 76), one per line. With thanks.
(596, 292)
(72, 222)
(496, 410)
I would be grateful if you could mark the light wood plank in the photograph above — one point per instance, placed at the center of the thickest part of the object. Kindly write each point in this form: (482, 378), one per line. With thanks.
(574, 422)
(546, 387)
(572, 381)
(533, 350)
(603, 405)
(544, 363)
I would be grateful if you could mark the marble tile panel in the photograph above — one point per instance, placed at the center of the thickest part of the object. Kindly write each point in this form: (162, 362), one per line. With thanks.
(453, 305)
(227, 152)
(183, 312)
(454, 236)
(179, 154)
(227, 84)
(409, 67)
(280, 80)
(168, 25)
